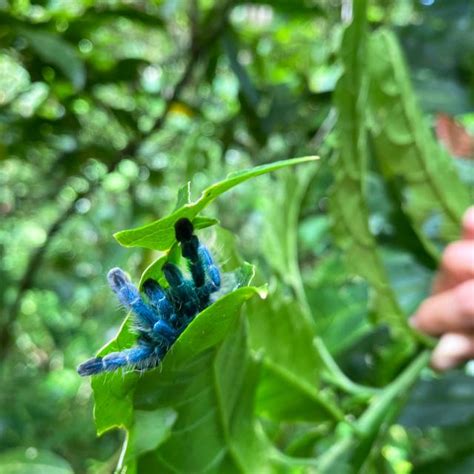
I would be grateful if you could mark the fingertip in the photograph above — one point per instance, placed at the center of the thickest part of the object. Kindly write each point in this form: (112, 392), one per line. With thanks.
(452, 349)
(468, 223)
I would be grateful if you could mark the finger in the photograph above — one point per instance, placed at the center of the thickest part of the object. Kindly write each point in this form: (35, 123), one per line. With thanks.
(457, 265)
(452, 349)
(468, 224)
(449, 311)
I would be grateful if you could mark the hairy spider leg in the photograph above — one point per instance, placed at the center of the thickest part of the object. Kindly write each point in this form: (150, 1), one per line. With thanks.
(213, 278)
(139, 357)
(164, 331)
(190, 251)
(129, 296)
(200, 262)
(183, 294)
(158, 299)
(211, 269)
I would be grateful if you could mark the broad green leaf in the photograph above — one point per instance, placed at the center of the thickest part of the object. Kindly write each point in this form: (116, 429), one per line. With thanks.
(213, 396)
(214, 399)
(152, 428)
(204, 390)
(31, 461)
(349, 208)
(282, 327)
(52, 49)
(113, 393)
(291, 368)
(340, 303)
(207, 380)
(159, 235)
(429, 188)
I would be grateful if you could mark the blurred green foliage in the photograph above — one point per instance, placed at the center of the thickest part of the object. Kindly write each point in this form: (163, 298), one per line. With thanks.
(108, 108)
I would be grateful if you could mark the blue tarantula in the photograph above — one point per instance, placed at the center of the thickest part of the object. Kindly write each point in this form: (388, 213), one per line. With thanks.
(166, 312)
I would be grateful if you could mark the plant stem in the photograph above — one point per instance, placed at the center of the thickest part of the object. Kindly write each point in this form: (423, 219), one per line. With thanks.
(337, 377)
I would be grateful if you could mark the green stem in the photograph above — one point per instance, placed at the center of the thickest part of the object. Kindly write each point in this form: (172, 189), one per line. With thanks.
(353, 449)
(337, 377)
(372, 418)
(427, 341)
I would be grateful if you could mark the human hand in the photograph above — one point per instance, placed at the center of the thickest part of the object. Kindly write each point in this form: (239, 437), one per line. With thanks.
(449, 311)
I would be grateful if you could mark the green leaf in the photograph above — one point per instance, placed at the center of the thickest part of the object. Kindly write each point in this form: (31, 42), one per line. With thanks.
(429, 188)
(289, 388)
(340, 302)
(349, 207)
(29, 460)
(159, 235)
(282, 327)
(151, 429)
(184, 196)
(113, 393)
(52, 49)
(204, 390)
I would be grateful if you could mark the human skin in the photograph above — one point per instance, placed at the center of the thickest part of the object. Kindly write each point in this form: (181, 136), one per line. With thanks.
(449, 311)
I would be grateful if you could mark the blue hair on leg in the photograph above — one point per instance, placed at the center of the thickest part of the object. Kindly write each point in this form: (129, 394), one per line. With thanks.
(183, 293)
(91, 367)
(129, 296)
(165, 331)
(205, 274)
(190, 249)
(130, 357)
(158, 299)
(210, 267)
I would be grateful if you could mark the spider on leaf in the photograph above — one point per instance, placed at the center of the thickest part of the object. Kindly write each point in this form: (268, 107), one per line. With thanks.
(166, 312)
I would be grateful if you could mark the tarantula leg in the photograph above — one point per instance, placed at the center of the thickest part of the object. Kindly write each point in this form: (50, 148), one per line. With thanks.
(182, 291)
(213, 280)
(137, 357)
(165, 331)
(159, 300)
(210, 268)
(129, 296)
(190, 250)
(201, 263)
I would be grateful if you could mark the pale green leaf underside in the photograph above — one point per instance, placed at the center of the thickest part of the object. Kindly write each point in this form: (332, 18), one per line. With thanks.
(349, 203)
(431, 192)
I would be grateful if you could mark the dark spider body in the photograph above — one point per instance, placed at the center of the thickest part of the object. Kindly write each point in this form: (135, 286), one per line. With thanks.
(166, 312)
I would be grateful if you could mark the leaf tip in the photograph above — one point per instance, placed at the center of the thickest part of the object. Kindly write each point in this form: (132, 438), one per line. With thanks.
(262, 292)
(120, 238)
